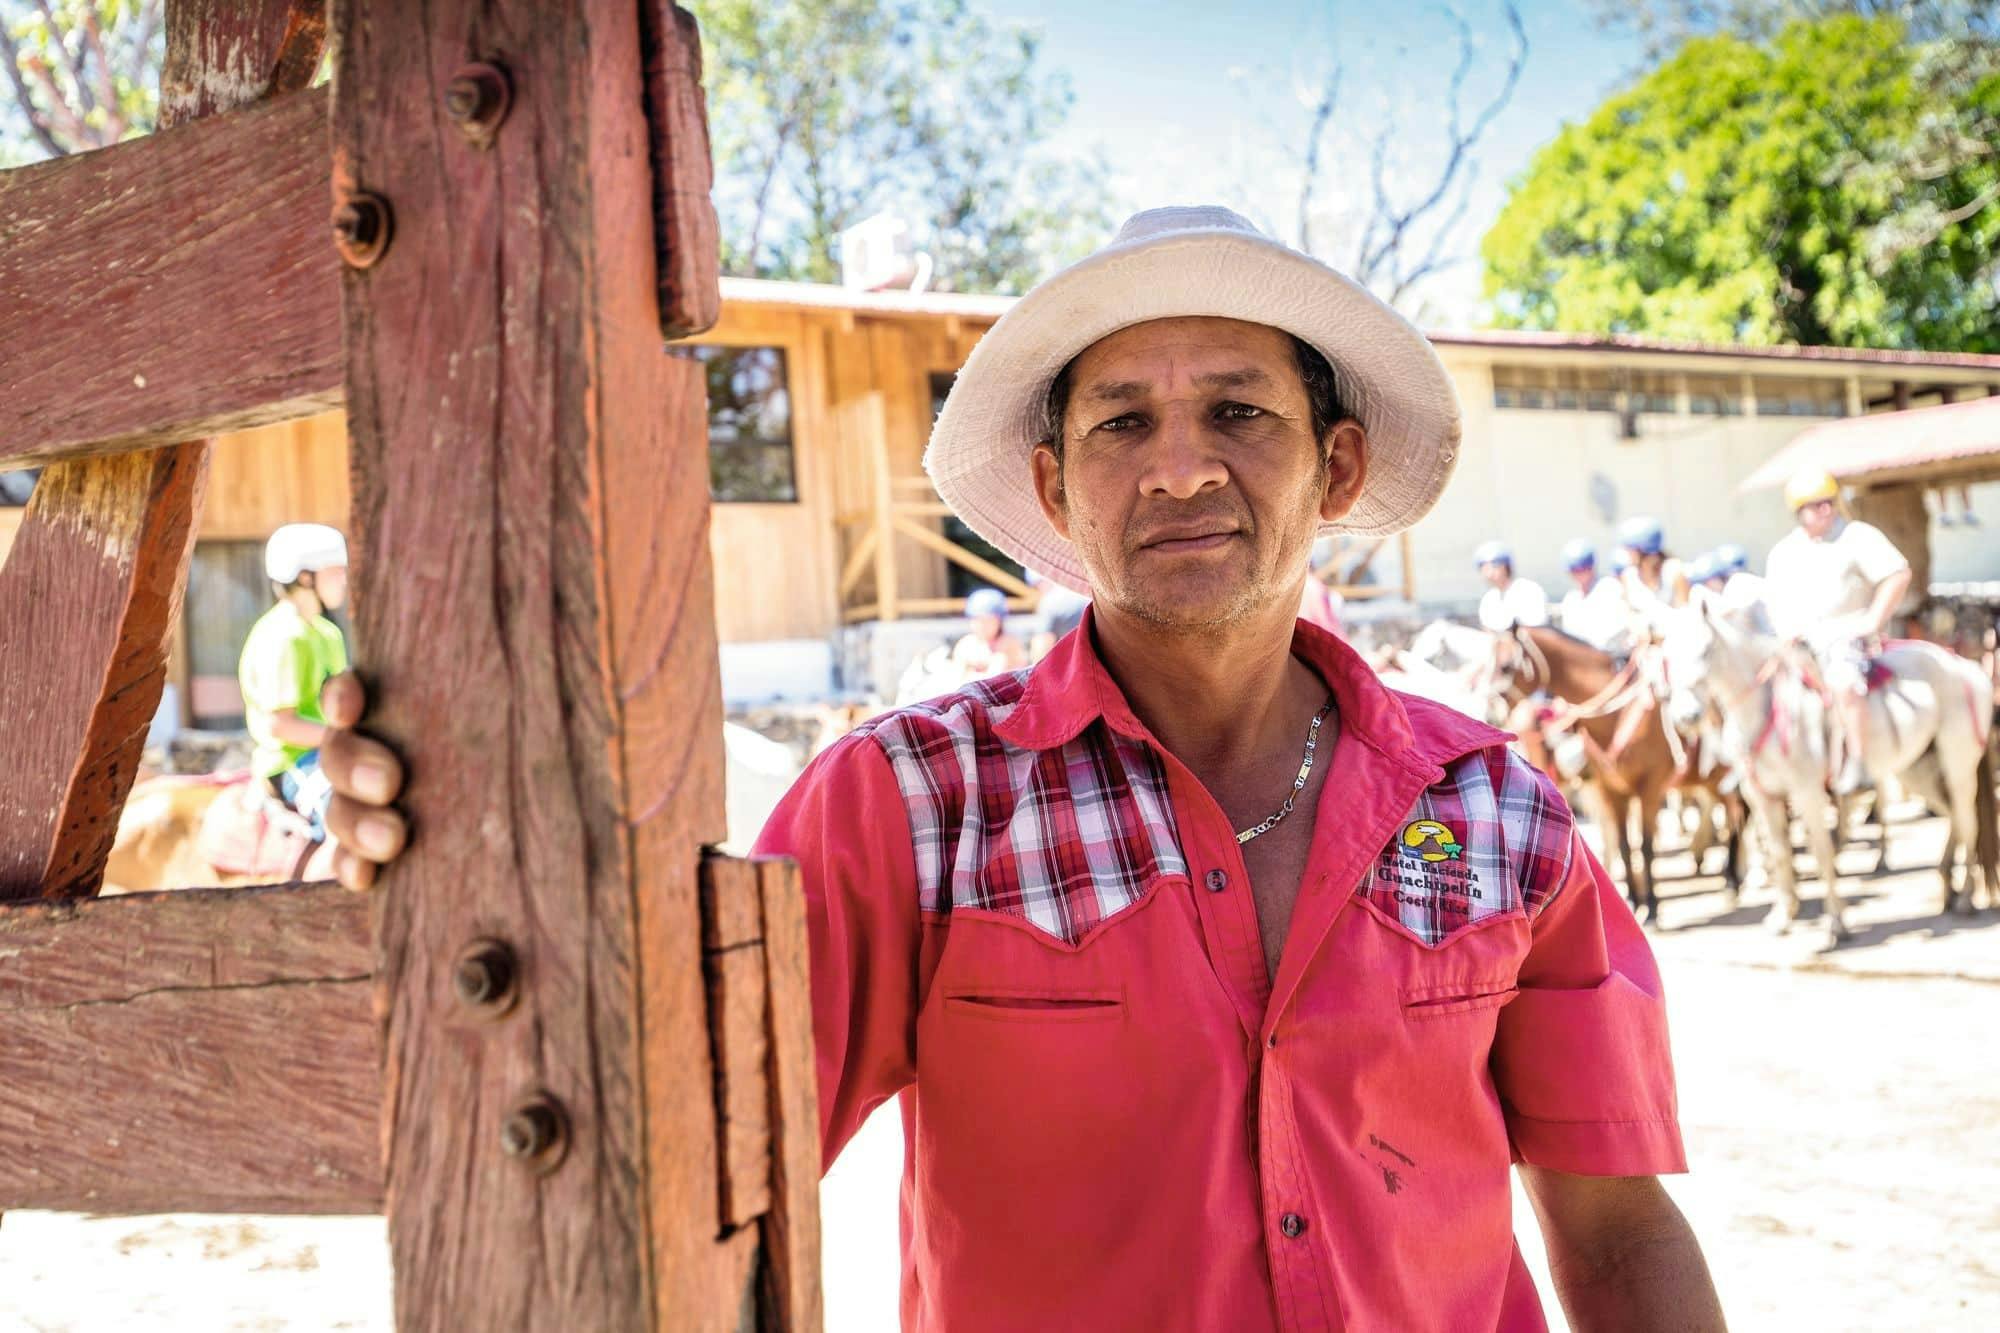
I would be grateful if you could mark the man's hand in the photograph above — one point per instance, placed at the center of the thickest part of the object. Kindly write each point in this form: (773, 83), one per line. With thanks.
(366, 776)
(1621, 1255)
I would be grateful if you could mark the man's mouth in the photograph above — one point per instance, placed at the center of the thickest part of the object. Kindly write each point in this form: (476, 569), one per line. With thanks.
(1187, 540)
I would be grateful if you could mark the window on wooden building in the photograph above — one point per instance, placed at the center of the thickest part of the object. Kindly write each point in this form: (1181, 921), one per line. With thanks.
(1798, 396)
(749, 425)
(960, 581)
(1554, 389)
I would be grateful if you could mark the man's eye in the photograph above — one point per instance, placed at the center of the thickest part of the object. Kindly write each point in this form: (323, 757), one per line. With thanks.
(1239, 411)
(1125, 422)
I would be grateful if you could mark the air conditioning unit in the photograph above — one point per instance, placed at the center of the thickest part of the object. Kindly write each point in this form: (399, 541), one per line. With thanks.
(879, 253)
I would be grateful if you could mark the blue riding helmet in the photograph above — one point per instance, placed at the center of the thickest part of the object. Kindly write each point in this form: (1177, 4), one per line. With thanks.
(1579, 554)
(1644, 535)
(1703, 568)
(1731, 558)
(1493, 553)
(986, 602)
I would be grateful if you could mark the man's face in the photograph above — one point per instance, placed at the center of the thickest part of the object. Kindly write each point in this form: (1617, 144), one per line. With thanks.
(331, 585)
(1583, 576)
(988, 628)
(1497, 572)
(1191, 484)
(1817, 518)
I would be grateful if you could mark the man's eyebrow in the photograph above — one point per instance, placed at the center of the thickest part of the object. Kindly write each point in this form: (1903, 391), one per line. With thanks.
(1119, 391)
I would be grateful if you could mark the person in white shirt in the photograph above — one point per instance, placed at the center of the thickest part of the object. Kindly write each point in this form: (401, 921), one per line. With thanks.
(1654, 582)
(1742, 591)
(1509, 601)
(1594, 610)
(1833, 584)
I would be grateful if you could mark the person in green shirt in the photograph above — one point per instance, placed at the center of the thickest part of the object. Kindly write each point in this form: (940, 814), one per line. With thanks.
(292, 650)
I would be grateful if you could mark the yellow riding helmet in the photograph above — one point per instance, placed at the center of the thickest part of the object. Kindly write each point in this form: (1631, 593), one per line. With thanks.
(1810, 485)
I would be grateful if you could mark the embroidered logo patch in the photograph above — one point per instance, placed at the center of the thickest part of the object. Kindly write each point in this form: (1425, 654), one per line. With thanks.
(1428, 840)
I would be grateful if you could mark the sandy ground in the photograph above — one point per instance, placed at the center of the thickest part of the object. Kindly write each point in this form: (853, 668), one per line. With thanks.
(1842, 1111)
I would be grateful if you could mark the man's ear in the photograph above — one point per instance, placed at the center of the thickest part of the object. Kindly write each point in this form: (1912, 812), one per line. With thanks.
(1047, 474)
(1346, 468)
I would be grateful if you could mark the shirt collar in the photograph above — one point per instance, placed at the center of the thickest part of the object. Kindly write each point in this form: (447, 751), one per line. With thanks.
(1071, 688)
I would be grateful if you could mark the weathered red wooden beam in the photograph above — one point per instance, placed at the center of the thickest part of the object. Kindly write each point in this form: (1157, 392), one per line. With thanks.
(211, 1050)
(534, 602)
(169, 287)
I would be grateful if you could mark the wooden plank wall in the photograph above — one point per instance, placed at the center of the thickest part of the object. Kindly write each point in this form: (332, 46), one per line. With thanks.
(776, 564)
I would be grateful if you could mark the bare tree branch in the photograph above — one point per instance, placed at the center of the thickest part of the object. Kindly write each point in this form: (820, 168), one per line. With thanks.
(1322, 114)
(10, 52)
(57, 31)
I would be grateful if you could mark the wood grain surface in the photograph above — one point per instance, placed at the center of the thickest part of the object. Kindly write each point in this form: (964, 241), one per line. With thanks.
(169, 287)
(202, 1051)
(534, 603)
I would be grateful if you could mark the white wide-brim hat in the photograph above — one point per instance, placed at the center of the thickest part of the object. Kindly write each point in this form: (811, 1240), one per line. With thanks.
(1168, 263)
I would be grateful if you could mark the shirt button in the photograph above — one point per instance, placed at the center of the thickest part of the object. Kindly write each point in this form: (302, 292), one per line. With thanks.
(1292, 1225)
(1272, 1041)
(1218, 880)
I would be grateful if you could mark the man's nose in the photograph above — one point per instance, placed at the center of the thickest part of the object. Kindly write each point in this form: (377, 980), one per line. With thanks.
(1184, 459)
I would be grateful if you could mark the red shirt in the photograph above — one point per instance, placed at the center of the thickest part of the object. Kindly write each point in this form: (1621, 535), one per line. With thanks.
(1033, 922)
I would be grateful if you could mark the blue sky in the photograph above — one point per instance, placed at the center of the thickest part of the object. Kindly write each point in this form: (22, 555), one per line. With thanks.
(1194, 101)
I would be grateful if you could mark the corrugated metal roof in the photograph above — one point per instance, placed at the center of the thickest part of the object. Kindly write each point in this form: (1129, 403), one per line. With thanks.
(1860, 446)
(827, 296)
(1625, 342)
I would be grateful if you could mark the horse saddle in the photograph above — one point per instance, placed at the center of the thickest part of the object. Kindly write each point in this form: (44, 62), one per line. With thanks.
(248, 831)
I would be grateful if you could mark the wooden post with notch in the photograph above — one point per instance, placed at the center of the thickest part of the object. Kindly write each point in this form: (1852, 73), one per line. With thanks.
(559, 1042)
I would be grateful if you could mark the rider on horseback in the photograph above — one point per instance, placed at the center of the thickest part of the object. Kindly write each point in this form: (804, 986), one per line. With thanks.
(1594, 610)
(292, 651)
(1508, 601)
(1834, 582)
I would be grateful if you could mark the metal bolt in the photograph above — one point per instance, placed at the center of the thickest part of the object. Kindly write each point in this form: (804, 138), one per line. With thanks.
(477, 99)
(361, 228)
(483, 977)
(535, 1133)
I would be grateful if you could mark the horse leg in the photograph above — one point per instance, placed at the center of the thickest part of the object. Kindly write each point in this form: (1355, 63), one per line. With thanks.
(1703, 837)
(1777, 825)
(1635, 894)
(1649, 815)
(1964, 840)
(1732, 860)
(1813, 810)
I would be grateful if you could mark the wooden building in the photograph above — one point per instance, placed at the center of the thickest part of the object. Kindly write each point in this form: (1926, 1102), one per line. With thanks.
(824, 526)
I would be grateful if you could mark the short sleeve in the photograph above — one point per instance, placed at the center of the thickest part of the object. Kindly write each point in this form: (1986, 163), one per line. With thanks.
(287, 680)
(1875, 555)
(1581, 1059)
(845, 823)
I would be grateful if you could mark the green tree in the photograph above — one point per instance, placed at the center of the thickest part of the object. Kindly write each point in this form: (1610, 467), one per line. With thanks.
(1759, 192)
(79, 74)
(824, 112)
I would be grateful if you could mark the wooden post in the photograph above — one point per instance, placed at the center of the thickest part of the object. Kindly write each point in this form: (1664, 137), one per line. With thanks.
(1405, 552)
(114, 535)
(874, 418)
(534, 600)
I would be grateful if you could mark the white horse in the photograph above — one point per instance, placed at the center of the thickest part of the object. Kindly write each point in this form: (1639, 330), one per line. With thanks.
(1928, 727)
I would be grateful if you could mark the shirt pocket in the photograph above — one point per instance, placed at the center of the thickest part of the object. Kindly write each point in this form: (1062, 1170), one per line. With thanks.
(1035, 1004)
(1459, 997)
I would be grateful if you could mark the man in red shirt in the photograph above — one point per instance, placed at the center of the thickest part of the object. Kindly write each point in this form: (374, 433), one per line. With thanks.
(1220, 985)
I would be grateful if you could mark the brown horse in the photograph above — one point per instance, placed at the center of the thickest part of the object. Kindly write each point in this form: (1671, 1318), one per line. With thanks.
(1629, 762)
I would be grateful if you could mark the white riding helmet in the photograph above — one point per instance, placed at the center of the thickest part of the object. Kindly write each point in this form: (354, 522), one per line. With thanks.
(299, 548)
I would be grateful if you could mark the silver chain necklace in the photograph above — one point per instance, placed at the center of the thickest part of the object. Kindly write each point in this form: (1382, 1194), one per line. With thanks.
(1298, 783)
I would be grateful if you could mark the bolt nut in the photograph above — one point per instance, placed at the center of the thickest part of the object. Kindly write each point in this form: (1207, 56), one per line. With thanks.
(477, 99)
(483, 978)
(536, 1133)
(361, 227)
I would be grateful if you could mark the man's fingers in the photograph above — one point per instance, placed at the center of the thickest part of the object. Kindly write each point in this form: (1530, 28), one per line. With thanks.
(353, 872)
(369, 831)
(342, 700)
(363, 769)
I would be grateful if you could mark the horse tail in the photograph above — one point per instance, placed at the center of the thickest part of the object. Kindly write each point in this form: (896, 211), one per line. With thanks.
(1986, 838)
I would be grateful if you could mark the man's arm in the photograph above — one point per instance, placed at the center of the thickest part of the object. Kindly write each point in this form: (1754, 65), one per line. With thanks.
(1888, 593)
(1621, 1255)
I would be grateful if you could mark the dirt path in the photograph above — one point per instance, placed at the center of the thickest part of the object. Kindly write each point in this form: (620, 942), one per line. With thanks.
(1842, 1112)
